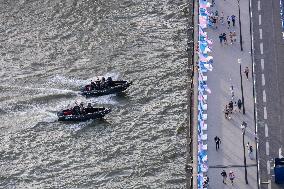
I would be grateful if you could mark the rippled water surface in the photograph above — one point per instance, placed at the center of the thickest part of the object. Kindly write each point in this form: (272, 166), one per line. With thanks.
(49, 49)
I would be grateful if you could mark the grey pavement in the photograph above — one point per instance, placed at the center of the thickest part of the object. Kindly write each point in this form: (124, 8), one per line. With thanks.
(269, 69)
(226, 72)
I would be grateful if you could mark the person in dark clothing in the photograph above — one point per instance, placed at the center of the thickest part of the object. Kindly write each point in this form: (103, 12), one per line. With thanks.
(239, 105)
(221, 38)
(233, 17)
(217, 141)
(224, 176)
(231, 106)
(225, 38)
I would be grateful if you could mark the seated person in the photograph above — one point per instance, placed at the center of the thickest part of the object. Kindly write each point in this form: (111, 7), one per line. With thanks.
(109, 81)
(89, 108)
(76, 110)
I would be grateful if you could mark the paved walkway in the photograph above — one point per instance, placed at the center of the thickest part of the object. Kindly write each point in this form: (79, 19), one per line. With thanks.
(226, 72)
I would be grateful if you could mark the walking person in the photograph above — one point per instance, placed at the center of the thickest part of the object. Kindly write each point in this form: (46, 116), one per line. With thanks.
(222, 18)
(247, 72)
(224, 176)
(221, 38)
(250, 151)
(239, 105)
(231, 177)
(226, 111)
(217, 142)
(235, 106)
(231, 106)
(225, 38)
(231, 37)
(232, 91)
(229, 22)
(234, 36)
(233, 17)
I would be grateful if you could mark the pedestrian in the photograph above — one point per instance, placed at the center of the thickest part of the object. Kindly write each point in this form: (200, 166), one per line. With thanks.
(247, 72)
(222, 18)
(235, 106)
(231, 177)
(239, 105)
(224, 176)
(226, 111)
(216, 13)
(225, 38)
(231, 105)
(221, 38)
(228, 21)
(232, 92)
(205, 181)
(234, 36)
(231, 37)
(214, 21)
(251, 152)
(218, 142)
(233, 17)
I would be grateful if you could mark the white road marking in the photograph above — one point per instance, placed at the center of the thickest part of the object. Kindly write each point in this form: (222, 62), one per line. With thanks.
(266, 130)
(269, 184)
(267, 149)
(259, 19)
(268, 167)
(260, 33)
(262, 63)
(264, 113)
(264, 96)
(280, 153)
(262, 79)
(258, 5)
(261, 48)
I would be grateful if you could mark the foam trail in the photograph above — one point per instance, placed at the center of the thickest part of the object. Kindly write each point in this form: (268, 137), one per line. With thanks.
(68, 81)
(42, 89)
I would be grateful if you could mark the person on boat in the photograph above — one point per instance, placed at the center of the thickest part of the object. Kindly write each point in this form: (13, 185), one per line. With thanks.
(89, 108)
(93, 85)
(76, 110)
(82, 109)
(109, 81)
(103, 83)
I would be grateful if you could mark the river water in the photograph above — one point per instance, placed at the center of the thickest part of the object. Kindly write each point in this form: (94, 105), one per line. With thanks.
(49, 49)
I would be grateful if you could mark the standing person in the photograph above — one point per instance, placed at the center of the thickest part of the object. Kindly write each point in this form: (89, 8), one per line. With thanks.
(232, 91)
(235, 106)
(226, 111)
(221, 38)
(247, 72)
(222, 18)
(231, 106)
(231, 177)
(224, 176)
(229, 22)
(250, 151)
(239, 105)
(218, 142)
(224, 38)
(233, 17)
(234, 36)
(231, 37)
(206, 181)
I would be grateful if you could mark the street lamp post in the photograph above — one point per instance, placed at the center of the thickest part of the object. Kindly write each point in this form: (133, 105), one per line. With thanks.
(242, 90)
(240, 26)
(243, 127)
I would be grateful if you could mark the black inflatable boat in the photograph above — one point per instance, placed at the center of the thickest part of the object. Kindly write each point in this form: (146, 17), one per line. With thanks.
(82, 114)
(102, 87)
